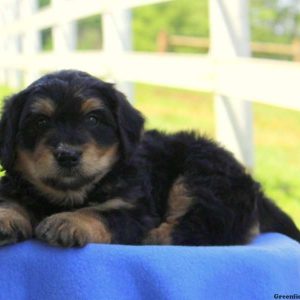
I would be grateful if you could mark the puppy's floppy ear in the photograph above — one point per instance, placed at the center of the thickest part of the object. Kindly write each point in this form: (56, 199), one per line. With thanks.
(130, 123)
(9, 124)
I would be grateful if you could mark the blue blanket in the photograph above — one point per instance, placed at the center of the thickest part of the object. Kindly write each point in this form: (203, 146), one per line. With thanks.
(269, 266)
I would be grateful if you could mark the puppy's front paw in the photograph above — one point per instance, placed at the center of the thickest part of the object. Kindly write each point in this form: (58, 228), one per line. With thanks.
(71, 229)
(14, 227)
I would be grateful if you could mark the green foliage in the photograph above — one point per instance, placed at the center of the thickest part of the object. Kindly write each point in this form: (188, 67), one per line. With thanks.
(274, 20)
(89, 33)
(4, 93)
(183, 17)
(46, 39)
(43, 3)
(46, 34)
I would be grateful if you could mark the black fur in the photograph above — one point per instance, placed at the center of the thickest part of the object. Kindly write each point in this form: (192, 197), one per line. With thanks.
(226, 202)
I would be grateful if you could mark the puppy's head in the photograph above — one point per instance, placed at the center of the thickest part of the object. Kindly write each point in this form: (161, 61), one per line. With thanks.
(65, 132)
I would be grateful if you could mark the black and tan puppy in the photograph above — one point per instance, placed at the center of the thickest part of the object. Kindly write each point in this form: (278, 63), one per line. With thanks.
(79, 169)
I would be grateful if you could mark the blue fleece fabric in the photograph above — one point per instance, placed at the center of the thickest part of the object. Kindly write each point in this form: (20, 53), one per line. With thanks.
(32, 270)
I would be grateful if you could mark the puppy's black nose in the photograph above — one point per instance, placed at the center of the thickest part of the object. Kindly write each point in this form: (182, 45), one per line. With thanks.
(67, 157)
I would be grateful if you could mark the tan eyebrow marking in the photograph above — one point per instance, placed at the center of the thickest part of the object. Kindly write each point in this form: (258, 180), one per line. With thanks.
(91, 104)
(44, 106)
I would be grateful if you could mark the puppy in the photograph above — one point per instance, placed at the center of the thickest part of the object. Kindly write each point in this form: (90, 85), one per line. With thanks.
(80, 169)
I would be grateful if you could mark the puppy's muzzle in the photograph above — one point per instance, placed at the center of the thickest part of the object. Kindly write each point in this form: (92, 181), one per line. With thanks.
(67, 157)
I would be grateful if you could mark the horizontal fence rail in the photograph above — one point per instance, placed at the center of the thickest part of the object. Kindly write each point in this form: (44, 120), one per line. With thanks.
(76, 9)
(164, 41)
(227, 70)
(267, 81)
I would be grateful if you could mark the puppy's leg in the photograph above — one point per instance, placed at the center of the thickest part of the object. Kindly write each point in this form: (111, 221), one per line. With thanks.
(207, 212)
(115, 221)
(15, 222)
(179, 203)
(75, 228)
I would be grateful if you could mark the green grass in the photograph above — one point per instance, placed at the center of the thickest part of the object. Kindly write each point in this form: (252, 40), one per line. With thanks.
(4, 92)
(277, 132)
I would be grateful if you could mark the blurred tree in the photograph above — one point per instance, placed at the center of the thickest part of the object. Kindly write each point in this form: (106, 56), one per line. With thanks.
(89, 33)
(184, 17)
(271, 21)
(43, 3)
(46, 39)
(275, 20)
(46, 34)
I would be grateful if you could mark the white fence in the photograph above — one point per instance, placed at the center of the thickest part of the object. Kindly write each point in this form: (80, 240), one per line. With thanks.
(228, 71)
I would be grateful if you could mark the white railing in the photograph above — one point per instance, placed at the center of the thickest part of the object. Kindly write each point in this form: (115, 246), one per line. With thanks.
(227, 71)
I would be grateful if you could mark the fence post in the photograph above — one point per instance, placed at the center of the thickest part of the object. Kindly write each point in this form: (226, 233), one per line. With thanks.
(12, 44)
(230, 37)
(65, 33)
(31, 43)
(296, 49)
(117, 39)
(2, 48)
(162, 41)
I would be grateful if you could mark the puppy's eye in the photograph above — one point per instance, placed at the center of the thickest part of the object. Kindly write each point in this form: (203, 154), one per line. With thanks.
(91, 120)
(42, 122)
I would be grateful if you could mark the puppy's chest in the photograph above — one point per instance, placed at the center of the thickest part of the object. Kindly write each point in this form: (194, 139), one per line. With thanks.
(107, 190)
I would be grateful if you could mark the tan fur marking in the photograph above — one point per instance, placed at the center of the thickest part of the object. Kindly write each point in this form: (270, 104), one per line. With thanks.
(41, 163)
(75, 228)
(38, 164)
(112, 204)
(179, 203)
(98, 159)
(253, 232)
(14, 220)
(160, 235)
(90, 223)
(79, 227)
(44, 106)
(90, 105)
(15, 207)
